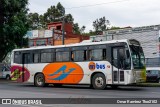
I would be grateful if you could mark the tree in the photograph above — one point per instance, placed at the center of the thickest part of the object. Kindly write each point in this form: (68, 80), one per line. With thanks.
(13, 25)
(34, 20)
(100, 24)
(82, 29)
(115, 28)
(76, 28)
(53, 14)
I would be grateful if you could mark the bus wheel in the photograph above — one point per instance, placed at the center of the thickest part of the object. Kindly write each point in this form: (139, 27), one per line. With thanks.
(39, 80)
(99, 81)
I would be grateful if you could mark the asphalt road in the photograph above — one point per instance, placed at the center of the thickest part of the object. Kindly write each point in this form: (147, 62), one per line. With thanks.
(25, 90)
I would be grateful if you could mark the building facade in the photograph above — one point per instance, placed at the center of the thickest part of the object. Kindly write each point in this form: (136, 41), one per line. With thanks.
(147, 35)
(53, 35)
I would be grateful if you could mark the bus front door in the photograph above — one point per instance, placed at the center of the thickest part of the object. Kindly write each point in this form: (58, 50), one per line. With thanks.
(118, 65)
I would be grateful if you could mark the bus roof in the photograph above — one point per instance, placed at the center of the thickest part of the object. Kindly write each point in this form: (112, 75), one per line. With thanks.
(76, 44)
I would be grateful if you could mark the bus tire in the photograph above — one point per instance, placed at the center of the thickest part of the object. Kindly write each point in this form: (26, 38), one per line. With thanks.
(99, 81)
(39, 80)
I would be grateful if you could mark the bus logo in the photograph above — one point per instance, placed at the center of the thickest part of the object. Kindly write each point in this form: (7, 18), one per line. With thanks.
(67, 72)
(92, 66)
(63, 75)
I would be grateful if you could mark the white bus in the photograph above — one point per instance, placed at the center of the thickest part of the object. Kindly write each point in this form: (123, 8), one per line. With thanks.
(113, 63)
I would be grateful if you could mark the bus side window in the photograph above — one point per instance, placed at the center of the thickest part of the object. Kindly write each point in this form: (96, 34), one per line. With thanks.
(79, 55)
(17, 57)
(97, 54)
(91, 57)
(46, 57)
(62, 56)
(36, 58)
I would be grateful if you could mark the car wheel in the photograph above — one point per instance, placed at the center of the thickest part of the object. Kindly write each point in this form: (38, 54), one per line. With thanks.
(99, 81)
(8, 77)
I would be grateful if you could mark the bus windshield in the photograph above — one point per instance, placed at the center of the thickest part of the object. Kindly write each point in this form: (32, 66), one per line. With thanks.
(137, 56)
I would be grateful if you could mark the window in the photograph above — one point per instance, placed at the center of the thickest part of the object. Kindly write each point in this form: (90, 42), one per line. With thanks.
(31, 43)
(62, 56)
(36, 58)
(59, 27)
(97, 54)
(154, 71)
(26, 58)
(115, 59)
(17, 57)
(41, 42)
(79, 55)
(46, 57)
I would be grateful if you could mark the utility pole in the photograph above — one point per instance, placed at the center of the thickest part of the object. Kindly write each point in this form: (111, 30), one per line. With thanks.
(63, 22)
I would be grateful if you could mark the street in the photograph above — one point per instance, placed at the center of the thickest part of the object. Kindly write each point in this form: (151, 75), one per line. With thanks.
(26, 90)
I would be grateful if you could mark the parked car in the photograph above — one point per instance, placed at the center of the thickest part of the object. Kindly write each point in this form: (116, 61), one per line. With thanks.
(5, 73)
(153, 74)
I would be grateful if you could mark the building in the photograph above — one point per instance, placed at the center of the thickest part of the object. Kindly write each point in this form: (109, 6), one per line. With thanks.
(98, 38)
(53, 35)
(148, 37)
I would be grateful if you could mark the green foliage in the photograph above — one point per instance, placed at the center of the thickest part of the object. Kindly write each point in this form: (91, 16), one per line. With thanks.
(77, 29)
(13, 25)
(53, 14)
(114, 28)
(100, 24)
(34, 20)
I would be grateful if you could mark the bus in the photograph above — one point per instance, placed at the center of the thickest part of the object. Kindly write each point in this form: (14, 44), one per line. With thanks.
(98, 64)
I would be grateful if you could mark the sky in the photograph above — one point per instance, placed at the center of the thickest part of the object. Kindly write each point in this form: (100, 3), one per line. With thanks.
(120, 13)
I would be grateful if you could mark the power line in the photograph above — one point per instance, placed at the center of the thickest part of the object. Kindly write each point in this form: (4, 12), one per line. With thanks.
(98, 4)
(92, 5)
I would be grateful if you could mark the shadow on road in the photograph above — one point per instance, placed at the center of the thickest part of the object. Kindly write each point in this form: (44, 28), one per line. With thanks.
(120, 88)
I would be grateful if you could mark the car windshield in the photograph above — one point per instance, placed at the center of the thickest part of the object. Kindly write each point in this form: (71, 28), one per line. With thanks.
(137, 57)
